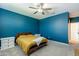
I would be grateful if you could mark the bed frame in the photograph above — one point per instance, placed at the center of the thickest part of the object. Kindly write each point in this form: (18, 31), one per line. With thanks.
(34, 47)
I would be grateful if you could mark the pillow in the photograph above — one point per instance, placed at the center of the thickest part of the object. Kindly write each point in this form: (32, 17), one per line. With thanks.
(37, 35)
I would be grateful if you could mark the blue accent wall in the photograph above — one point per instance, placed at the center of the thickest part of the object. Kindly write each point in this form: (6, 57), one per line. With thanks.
(12, 23)
(55, 27)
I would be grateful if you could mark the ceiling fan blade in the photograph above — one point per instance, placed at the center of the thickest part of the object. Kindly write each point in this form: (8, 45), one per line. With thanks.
(35, 12)
(48, 9)
(43, 13)
(33, 7)
(41, 4)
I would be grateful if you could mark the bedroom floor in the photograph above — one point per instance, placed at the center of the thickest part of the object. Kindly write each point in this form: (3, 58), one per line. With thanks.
(53, 49)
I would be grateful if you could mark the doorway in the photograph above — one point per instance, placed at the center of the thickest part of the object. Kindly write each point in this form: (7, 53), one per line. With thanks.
(74, 35)
(74, 31)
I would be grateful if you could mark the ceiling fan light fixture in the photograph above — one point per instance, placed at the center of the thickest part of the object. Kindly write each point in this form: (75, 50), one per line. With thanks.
(40, 10)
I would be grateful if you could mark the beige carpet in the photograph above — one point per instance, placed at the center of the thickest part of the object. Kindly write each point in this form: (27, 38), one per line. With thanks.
(53, 49)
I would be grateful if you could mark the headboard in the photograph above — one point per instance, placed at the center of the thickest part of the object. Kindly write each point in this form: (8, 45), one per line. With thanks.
(21, 34)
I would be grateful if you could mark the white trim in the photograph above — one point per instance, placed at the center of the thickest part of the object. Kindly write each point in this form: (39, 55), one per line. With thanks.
(7, 38)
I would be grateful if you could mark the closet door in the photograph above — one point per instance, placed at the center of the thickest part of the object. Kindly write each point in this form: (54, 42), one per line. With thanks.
(77, 32)
(74, 32)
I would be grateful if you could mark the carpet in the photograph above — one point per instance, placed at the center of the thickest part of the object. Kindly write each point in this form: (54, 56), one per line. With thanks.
(52, 49)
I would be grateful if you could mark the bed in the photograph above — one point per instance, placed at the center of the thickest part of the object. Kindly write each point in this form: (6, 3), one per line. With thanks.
(27, 43)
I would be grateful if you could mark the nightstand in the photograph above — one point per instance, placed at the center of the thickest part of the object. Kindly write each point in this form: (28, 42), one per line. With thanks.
(7, 42)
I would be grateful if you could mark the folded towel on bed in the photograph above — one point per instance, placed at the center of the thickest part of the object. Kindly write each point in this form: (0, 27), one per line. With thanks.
(38, 40)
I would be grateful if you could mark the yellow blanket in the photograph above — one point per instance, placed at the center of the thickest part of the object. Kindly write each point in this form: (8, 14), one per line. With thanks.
(26, 41)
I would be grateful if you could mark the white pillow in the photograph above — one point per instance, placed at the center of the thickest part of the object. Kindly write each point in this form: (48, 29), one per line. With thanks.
(38, 35)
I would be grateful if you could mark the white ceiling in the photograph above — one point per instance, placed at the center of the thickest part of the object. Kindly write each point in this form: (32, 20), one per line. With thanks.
(22, 8)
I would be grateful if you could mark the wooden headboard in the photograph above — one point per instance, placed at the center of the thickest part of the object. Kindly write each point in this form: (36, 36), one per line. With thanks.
(21, 34)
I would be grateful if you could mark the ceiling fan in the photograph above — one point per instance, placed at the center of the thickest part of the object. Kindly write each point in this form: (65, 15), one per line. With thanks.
(40, 8)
